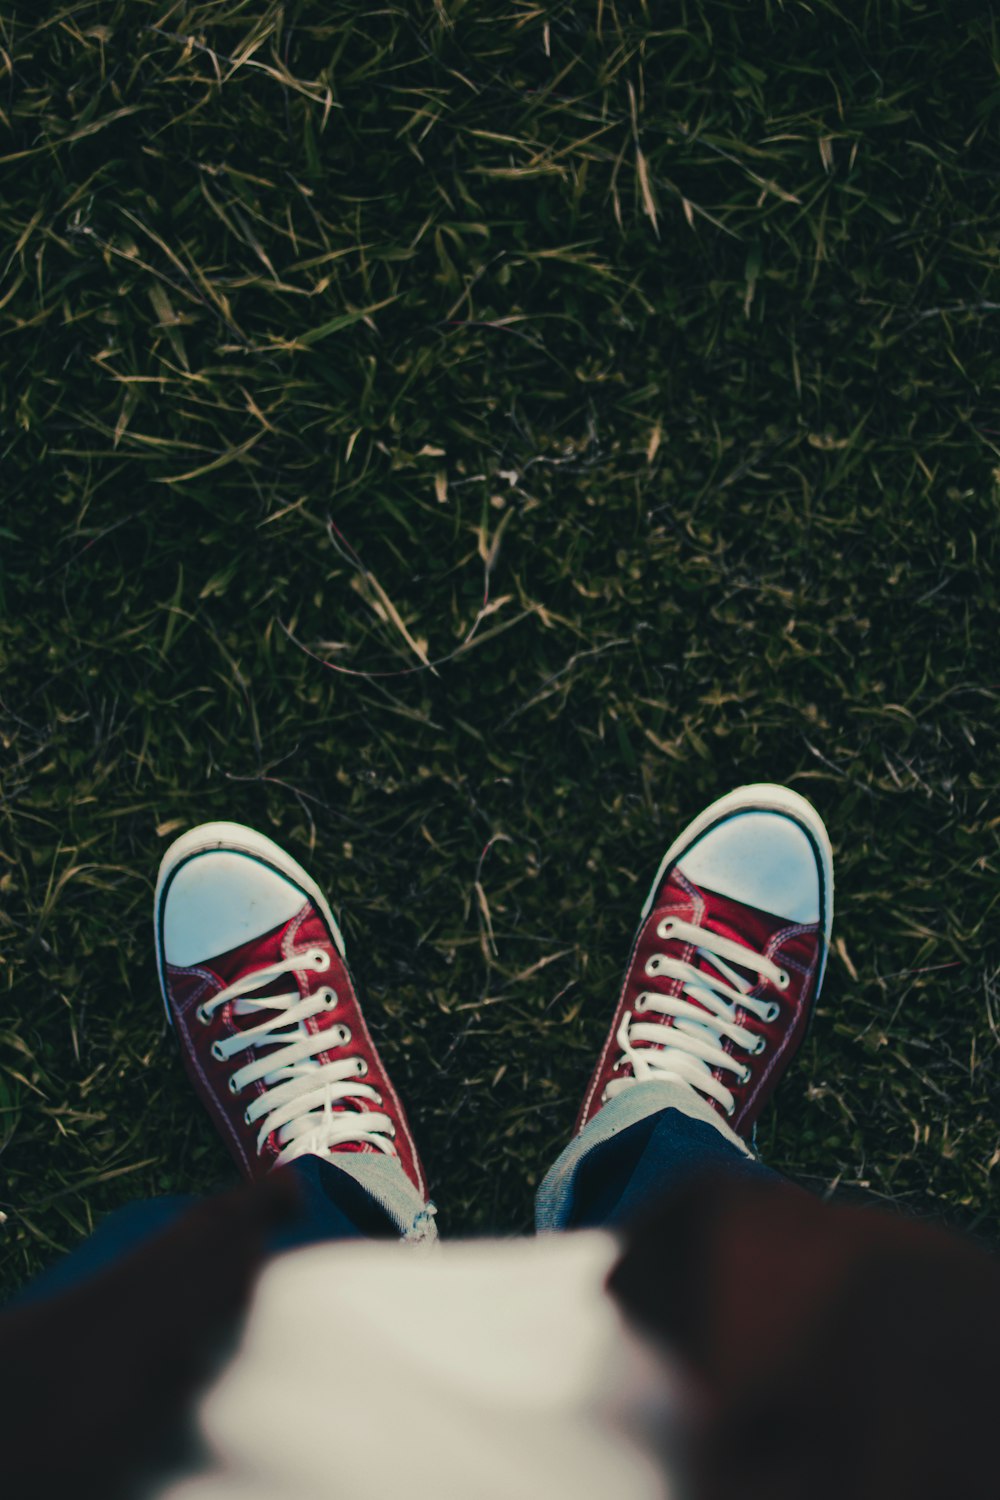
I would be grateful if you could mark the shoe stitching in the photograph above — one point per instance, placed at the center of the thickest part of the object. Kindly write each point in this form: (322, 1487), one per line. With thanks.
(207, 978)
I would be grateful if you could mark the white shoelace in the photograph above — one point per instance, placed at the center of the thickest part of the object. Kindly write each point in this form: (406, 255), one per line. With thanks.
(299, 1091)
(689, 1049)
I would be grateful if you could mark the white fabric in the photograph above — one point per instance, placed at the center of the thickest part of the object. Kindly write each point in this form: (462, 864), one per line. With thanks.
(479, 1370)
(689, 1049)
(300, 1091)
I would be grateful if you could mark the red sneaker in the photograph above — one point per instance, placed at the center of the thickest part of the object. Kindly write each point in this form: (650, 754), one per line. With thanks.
(256, 985)
(728, 958)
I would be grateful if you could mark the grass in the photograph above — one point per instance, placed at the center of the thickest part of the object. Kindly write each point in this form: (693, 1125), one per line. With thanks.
(463, 440)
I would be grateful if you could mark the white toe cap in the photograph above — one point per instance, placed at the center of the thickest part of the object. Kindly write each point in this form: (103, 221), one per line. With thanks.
(763, 859)
(220, 899)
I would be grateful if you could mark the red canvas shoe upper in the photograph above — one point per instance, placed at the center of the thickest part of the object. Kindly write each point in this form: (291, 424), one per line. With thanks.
(276, 1097)
(692, 1006)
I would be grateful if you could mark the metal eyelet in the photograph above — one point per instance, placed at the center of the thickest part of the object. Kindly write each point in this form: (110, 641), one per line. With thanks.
(329, 998)
(746, 1075)
(666, 927)
(784, 979)
(246, 1117)
(761, 1043)
(773, 1011)
(320, 953)
(233, 1088)
(217, 1052)
(345, 1036)
(362, 1069)
(639, 1005)
(202, 1017)
(650, 970)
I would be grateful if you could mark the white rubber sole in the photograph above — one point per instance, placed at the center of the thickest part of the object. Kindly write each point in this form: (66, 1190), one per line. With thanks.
(240, 840)
(761, 796)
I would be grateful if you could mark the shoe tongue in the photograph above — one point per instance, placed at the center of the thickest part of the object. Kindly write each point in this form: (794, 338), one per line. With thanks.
(258, 954)
(746, 926)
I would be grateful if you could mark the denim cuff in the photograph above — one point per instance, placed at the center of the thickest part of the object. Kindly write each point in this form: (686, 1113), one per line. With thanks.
(384, 1180)
(554, 1198)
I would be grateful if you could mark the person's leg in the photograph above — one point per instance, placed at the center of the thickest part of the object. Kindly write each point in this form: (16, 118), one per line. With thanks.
(726, 964)
(623, 1158)
(242, 937)
(334, 1205)
(256, 984)
(113, 1237)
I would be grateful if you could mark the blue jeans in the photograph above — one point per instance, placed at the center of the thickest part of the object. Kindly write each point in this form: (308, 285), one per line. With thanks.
(640, 1146)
